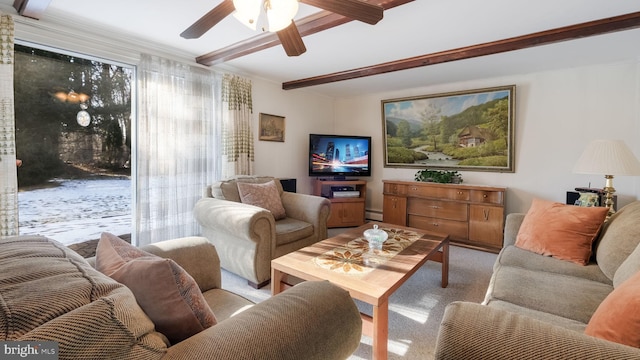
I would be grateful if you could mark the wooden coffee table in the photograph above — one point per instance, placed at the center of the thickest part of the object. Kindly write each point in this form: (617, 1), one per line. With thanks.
(370, 275)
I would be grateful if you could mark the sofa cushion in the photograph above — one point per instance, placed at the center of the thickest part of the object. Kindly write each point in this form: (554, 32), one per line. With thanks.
(50, 293)
(617, 318)
(562, 231)
(226, 304)
(263, 195)
(166, 292)
(620, 237)
(289, 230)
(628, 268)
(514, 256)
(228, 189)
(556, 320)
(566, 296)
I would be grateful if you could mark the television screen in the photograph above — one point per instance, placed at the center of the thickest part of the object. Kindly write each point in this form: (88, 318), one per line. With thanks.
(339, 155)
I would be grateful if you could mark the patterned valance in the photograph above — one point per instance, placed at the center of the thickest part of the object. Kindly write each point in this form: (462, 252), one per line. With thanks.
(236, 92)
(6, 39)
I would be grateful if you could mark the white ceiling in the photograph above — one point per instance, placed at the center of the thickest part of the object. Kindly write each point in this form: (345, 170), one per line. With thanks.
(416, 28)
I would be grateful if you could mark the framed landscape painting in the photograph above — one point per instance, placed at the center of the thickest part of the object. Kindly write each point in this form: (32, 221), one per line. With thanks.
(271, 128)
(465, 130)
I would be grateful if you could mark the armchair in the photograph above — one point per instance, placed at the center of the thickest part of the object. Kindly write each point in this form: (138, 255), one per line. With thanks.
(248, 237)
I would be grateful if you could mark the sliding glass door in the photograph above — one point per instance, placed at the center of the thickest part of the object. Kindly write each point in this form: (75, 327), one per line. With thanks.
(73, 141)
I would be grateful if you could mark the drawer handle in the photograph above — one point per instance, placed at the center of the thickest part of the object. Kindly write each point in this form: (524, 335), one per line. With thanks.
(436, 224)
(484, 196)
(459, 192)
(435, 207)
(414, 188)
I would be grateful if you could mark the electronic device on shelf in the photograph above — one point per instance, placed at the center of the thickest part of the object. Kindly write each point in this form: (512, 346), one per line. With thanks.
(339, 156)
(342, 188)
(346, 194)
(590, 190)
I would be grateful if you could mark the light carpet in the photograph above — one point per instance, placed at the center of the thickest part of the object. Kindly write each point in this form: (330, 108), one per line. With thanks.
(416, 308)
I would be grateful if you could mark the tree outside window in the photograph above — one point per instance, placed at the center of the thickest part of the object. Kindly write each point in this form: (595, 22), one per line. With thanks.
(51, 89)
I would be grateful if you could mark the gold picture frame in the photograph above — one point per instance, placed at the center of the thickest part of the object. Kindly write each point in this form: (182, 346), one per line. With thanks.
(462, 130)
(271, 128)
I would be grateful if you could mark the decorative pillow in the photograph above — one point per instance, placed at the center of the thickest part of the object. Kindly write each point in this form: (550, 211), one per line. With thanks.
(617, 318)
(562, 231)
(263, 195)
(166, 293)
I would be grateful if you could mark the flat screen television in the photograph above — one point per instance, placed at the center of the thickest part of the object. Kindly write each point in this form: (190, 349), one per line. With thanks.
(339, 156)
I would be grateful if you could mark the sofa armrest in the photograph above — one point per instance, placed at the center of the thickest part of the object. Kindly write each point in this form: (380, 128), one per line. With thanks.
(233, 218)
(474, 331)
(196, 255)
(312, 320)
(511, 227)
(309, 208)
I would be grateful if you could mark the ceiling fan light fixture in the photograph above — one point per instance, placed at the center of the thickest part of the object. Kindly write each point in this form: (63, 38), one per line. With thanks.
(247, 12)
(280, 13)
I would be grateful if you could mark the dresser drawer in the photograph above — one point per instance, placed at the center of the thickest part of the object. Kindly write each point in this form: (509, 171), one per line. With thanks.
(395, 189)
(487, 197)
(438, 209)
(438, 192)
(457, 230)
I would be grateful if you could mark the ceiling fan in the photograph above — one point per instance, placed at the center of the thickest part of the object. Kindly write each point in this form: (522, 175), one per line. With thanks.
(247, 11)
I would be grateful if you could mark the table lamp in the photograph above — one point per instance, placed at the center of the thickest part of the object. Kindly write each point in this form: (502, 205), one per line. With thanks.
(608, 157)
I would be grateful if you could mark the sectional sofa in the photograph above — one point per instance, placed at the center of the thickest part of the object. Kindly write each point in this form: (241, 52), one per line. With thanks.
(538, 306)
(50, 293)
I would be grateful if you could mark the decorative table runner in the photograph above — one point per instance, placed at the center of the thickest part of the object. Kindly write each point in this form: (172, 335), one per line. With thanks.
(357, 257)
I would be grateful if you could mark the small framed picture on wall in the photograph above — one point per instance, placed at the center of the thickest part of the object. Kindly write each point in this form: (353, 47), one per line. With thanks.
(271, 128)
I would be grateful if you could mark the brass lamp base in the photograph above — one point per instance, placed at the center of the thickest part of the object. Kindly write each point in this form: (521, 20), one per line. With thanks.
(609, 191)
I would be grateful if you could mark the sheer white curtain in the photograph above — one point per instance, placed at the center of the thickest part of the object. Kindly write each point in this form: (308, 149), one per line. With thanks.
(176, 148)
(8, 174)
(237, 136)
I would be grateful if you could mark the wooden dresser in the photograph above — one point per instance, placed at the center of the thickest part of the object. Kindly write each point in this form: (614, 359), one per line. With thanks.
(472, 215)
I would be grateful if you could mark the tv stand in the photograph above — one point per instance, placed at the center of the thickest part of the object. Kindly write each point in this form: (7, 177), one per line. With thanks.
(336, 178)
(345, 211)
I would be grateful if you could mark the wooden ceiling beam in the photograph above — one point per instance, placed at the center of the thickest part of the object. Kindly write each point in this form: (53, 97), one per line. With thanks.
(31, 8)
(306, 26)
(572, 32)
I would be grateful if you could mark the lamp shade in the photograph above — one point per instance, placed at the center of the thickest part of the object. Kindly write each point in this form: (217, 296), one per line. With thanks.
(607, 157)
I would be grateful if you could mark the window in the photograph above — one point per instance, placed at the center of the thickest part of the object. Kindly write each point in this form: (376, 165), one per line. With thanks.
(73, 136)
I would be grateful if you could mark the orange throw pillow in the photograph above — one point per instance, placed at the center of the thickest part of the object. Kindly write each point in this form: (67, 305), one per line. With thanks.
(263, 195)
(164, 290)
(562, 231)
(617, 318)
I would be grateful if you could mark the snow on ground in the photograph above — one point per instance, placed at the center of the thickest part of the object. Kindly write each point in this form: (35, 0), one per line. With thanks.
(77, 210)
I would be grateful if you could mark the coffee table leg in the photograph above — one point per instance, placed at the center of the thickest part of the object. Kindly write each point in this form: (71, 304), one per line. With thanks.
(445, 264)
(380, 330)
(276, 281)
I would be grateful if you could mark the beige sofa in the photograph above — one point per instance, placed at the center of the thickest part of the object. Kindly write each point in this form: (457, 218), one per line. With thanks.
(50, 293)
(538, 307)
(248, 237)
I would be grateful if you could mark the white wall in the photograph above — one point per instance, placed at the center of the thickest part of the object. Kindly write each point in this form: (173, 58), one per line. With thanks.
(305, 112)
(557, 114)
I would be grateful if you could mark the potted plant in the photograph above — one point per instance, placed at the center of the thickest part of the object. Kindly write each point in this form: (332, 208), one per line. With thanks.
(439, 176)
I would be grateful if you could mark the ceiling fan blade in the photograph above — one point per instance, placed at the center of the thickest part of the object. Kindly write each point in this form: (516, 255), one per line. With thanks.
(291, 40)
(209, 20)
(354, 9)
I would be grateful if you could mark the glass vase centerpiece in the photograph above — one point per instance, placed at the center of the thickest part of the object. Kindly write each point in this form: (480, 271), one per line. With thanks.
(376, 237)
